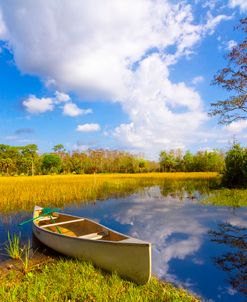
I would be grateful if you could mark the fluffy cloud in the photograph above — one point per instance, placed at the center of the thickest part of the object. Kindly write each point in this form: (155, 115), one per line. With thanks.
(91, 51)
(241, 3)
(71, 109)
(159, 110)
(88, 128)
(35, 105)
(119, 52)
(62, 97)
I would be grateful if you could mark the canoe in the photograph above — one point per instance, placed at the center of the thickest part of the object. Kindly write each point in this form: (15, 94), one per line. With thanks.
(88, 240)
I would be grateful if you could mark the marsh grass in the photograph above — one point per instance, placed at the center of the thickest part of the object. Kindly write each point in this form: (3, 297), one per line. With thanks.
(24, 192)
(12, 246)
(73, 280)
(227, 197)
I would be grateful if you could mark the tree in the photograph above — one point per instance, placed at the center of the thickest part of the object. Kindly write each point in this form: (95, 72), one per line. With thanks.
(188, 162)
(236, 167)
(51, 163)
(30, 153)
(167, 161)
(233, 78)
(58, 148)
(6, 165)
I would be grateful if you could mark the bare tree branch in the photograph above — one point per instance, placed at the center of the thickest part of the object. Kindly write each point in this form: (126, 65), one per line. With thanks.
(233, 78)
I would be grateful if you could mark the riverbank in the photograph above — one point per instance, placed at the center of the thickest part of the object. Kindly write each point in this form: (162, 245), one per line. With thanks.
(73, 280)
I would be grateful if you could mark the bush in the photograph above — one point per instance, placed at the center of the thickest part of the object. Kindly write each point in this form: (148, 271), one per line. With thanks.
(235, 174)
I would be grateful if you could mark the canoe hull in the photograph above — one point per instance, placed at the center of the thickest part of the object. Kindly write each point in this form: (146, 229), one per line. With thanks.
(130, 260)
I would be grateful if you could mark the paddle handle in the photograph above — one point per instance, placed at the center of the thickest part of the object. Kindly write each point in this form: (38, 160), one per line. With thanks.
(30, 220)
(47, 213)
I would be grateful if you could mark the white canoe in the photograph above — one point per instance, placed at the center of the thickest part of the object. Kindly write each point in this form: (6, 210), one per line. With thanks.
(85, 239)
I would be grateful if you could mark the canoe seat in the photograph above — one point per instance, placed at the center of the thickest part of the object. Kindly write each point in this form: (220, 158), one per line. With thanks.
(94, 236)
(62, 223)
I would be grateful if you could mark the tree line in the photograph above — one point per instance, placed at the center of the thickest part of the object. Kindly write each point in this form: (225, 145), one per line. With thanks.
(202, 161)
(25, 160)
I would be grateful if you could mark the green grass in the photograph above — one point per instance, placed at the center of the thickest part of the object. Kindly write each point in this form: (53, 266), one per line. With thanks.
(227, 197)
(12, 246)
(74, 281)
(25, 257)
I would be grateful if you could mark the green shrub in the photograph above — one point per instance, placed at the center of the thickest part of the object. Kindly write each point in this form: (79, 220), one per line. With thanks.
(235, 174)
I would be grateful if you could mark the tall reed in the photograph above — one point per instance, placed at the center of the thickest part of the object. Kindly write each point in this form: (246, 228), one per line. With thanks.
(12, 247)
(24, 192)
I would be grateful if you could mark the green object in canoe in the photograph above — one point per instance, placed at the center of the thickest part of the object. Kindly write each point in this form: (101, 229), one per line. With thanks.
(44, 212)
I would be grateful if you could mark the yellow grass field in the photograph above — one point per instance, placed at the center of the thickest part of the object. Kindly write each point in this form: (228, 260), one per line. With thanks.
(23, 192)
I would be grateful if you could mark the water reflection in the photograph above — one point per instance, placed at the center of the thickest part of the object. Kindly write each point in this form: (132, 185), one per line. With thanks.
(233, 262)
(178, 227)
(193, 189)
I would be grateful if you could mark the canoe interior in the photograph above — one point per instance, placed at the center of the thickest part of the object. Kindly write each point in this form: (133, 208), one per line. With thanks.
(78, 227)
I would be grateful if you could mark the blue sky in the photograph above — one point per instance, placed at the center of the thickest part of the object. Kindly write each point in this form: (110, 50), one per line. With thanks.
(123, 74)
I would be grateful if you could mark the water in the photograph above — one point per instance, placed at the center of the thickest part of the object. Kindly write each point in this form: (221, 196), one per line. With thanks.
(202, 248)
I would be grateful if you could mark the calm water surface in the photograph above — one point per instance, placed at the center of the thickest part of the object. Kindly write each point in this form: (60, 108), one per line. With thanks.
(202, 248)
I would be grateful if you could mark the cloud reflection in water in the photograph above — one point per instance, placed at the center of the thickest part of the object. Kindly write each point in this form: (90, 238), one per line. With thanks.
(178, 230)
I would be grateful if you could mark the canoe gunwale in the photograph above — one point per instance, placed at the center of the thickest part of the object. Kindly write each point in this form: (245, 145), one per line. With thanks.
(122, 242)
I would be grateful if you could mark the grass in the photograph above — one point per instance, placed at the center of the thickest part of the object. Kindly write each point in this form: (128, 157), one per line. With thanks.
(17, 252)
(227, 197)
(24, 192)
(25, 259)
(74, 281)
(12, 247)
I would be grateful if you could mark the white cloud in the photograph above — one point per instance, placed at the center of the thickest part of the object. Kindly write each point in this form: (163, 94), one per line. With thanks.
(71, 109)
(226, 45)
(88, 128)
(230, 44)
(163, 114)
(118, 52)
(35, 105)
(237, 127)
(61, 97)
(89, 51)
(198, 79)
(212, 22)
(241, 3)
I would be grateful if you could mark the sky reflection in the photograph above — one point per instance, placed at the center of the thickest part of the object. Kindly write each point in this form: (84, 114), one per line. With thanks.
(182, 252)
